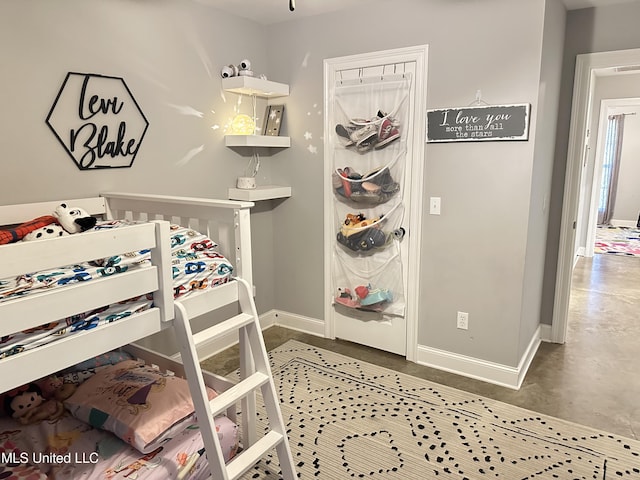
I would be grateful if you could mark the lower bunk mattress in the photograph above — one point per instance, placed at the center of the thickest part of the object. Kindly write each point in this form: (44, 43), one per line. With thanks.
(121, 419)
(90, 453)
(196, 265)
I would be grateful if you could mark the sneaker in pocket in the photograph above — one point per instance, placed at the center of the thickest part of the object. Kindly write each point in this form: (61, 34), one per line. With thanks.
(387, 133)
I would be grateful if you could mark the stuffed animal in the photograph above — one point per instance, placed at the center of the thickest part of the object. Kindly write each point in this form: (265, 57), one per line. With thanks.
(53, 387)
(15, 234)
(71, 219)
(50, 231)
(27, 405)
(74, 219)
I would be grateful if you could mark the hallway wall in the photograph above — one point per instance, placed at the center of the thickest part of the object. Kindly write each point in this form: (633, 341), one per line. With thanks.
(588, 30)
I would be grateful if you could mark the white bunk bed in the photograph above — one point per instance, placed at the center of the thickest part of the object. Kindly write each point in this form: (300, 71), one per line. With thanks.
(225, 221)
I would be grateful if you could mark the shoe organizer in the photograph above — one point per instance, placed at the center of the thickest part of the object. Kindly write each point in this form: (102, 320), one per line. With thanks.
(362, 129)
(374, 187)
(363, 136)
(369, 232)
(369, 284)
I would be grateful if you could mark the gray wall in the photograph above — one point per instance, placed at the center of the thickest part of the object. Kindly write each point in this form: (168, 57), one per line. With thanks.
(169, 53)
(474, 253)
(588, 30)
(551, 67)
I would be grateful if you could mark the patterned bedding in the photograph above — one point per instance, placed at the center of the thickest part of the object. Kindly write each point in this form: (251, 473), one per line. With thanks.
(69, 448)
(120, 419)
(196, 266)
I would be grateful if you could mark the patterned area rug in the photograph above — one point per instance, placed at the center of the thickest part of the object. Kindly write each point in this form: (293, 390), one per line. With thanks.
(618, 241)
(349, 419)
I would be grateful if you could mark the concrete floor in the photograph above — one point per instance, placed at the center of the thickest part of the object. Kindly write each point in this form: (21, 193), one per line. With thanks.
(593, 379)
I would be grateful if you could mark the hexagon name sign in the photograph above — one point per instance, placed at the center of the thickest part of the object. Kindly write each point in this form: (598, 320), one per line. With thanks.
(97, 121)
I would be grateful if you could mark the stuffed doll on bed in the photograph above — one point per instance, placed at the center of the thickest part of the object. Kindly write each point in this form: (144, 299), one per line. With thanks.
(64, 221)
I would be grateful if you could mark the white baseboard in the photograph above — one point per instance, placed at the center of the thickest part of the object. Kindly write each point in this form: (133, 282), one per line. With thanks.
(211, 347)
(498, 374)
(491, 372)
(545, 333)
(624, 223)
(300, 323)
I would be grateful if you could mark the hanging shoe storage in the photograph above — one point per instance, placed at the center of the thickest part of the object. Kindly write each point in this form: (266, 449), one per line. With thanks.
(374, 147)
(372, 284)
(368, 231)
(361, 130)
(368, 171)
(378, 185)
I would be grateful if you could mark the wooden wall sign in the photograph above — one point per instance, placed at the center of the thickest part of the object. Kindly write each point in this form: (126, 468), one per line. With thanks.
(97, 121)
(478, 123)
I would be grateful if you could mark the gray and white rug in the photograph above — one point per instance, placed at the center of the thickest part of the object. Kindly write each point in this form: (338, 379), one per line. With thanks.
(350, 419)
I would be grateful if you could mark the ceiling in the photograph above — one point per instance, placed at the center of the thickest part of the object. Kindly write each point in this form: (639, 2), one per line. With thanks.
(274, 11)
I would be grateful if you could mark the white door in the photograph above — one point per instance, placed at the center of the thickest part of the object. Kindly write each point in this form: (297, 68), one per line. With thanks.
(374, 144)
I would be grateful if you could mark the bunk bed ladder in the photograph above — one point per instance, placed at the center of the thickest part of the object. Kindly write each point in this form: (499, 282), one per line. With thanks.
(255, 374)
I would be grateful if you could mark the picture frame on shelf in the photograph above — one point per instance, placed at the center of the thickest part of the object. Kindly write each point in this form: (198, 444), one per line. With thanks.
(273, 120)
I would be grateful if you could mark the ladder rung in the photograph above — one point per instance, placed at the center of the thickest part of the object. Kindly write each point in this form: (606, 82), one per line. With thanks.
(222, 328)
(238, 391)
(249, 457)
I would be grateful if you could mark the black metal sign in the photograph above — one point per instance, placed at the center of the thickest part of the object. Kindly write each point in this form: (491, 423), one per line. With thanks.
(478, 123)
(97, 121)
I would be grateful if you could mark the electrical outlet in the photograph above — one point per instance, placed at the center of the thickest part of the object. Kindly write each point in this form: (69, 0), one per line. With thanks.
(463, 320)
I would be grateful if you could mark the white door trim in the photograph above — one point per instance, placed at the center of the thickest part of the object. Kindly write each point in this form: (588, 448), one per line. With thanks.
(586, 68)
(419, 55)
(596, 174)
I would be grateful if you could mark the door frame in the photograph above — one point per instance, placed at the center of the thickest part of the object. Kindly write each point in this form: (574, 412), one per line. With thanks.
(419, 55)
(587, 66)
(605, 106)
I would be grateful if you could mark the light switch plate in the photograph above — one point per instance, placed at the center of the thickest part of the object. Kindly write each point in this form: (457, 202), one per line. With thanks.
(434, 205)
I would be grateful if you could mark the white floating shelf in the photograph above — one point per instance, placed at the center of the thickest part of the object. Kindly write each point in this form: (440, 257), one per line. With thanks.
(266, 192)
(257, 141)
(255, 86)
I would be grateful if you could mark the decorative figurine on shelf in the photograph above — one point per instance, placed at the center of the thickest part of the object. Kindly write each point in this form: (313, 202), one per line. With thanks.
(243, 70)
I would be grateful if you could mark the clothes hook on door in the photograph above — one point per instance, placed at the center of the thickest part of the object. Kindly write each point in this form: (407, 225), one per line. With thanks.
(292, 5)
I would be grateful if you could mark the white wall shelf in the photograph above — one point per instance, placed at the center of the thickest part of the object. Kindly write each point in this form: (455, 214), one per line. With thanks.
(267, 192)
(257, 141)
(255, 86)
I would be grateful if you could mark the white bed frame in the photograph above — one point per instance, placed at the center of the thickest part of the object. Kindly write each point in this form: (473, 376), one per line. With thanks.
(225, 221)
